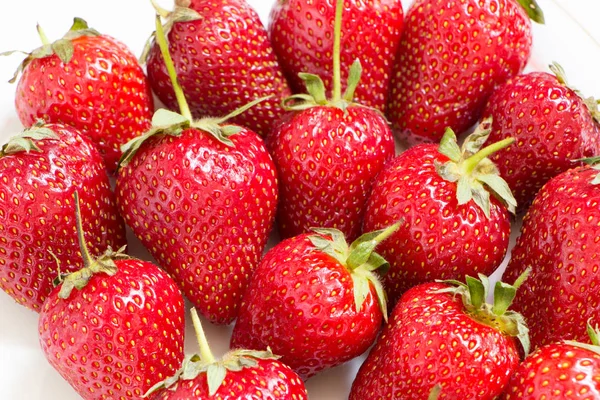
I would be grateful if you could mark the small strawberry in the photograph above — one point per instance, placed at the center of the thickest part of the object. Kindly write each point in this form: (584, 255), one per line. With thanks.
(39, 171)
(240, 374)
(327, 154)
(89, 81)
(223, 59)
(563, 370)
(560, 241)
(552, 125)
(314, 300)
(302, 35)
(451, 56)
(201, 196)
(446, 335)
(451, 200)
(119, 332)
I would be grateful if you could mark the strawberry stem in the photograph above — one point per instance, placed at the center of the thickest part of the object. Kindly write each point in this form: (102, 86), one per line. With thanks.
(470, 163)
(337, 39)
(85, 253)
(43, 36)
(205, 353)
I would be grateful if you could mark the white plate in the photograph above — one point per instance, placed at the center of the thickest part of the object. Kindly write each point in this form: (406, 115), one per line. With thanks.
(24, 372)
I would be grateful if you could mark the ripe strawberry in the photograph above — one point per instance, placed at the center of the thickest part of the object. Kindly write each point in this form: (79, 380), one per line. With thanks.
(39, 170)
(315, 300)
(446, 335)
(327, 154)
(119, 332)
(562, 370)
(560, 240)
(240, 374)
(552, 124)
(201, 196)
(302, 35)
(450, 58)
(453, 226)
(89, 81)
(223, 59)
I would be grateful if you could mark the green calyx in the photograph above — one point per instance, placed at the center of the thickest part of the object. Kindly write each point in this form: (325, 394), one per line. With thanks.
(205, 362)
(359, 258)
(473, 171)
(533, 10)
(25, 141)
(63, 47)
(591, 103)
(594, 334)
(497, 315)
(435, 392)
(595, 163)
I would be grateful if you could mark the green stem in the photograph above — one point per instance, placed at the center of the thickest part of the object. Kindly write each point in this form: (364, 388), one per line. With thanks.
(470, 163)
(85, 253)
(164, 49)
(337, 39)
(205, 352)
(43, 36)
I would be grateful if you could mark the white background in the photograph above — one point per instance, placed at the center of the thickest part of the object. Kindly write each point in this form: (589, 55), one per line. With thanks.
(24, 372)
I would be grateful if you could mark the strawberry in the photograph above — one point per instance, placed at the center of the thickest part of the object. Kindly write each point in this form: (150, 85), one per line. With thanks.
(39, 170)
(327, 154)
(453, 226)
(562, 370)
(223, 59)
(119, 332)
(240, 374)
(302, 35)
(560, 240)
(451, 56)
(89, 81)
(315, 300)
(445, 334)
(552, 124)
(201, 196)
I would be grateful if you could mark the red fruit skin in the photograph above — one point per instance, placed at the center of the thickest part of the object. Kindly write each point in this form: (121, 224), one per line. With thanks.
(300, 303)
(102, 92)
(269, 380)
(37, 213)
(439, 239)
(430, 340)
(302, 35)
(118, 336)
(450, 58)
(204, 211)
(552, 127)
(556, 371)
(327, 159)
(223, 61)
(560, 241)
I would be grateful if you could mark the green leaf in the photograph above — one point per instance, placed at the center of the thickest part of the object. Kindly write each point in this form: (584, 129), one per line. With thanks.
(336, 247)
(594, 334)
(475, 141)
(449, 146)
(215, 375)
(64, 49)
(477, 291)
(353, 80)
(314, 87)
(435, 392)
(362, 248)
(380, 292)
(163, 117)
(481, 197)
(500, 187)
(559, 72)
(533, 10)
(25, 140)
(377, 263)
(79, 24)
(242, 109)
(590, 160)
(463, 190)
(361, 290)
(504, 294)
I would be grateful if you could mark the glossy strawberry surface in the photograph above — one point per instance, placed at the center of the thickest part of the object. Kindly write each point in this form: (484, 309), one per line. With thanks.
(37, 213)
(302, 36)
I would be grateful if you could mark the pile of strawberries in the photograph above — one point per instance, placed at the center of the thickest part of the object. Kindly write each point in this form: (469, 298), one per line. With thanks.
(377, 249)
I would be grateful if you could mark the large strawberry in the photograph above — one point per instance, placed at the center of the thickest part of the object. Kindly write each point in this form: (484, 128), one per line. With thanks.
(223, 59)
(446, 335)
(560, 240)
(327, 153)
(89, 81)
(302, 33)
(552, 125)
(240, 374)
(314, 300)
(451, 201)
(451, 56)
(115, 327)
(201, 196)
(39, 170)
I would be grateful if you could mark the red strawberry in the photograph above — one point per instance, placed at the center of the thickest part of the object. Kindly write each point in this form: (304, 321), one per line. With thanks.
(201, 196)
(89, 81)
(315, 300)
(560, 240)
(119, 332)
(451, 56)
(327, 155)
(453, 226)
(223, 59)
(302, 35)
(240, 374)
(39, 170)
(447, 336)
(552, 125)
(562, 370)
